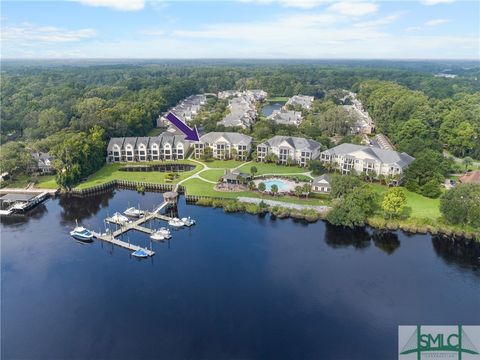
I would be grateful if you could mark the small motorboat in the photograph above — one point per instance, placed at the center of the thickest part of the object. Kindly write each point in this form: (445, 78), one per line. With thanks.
(188, 221)
(176, 222)
(119, 218)
(82, 234)
(140, 253)
(161, 234)
(134, 212)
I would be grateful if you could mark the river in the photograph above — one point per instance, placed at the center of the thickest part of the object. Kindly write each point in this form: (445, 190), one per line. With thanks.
(232, 286)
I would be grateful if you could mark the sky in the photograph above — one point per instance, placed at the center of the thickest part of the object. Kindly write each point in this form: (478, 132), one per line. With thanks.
(252, 29)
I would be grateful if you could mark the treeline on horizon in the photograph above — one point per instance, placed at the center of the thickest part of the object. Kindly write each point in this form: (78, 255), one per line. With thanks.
(51, 107)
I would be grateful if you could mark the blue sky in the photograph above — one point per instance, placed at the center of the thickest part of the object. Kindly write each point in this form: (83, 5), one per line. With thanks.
(308, 29)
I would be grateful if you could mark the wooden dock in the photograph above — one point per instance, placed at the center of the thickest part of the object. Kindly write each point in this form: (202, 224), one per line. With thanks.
(110, 238)
(132, 225)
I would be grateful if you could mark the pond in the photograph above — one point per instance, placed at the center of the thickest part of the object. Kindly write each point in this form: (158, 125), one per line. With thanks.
(231, 286)
(268, 108)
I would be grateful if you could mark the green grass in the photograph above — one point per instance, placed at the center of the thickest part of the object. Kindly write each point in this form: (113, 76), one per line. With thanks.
(155, 132)
(224, 164)
(202, 188)
(269, 168)
(212, 175)
(111, 172)
(421, 206)
(41, 182)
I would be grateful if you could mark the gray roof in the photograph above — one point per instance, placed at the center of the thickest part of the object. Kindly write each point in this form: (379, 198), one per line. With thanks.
(384, 156)
(325, 177)
(115, 141)
(234, 138)
(295, 142)
(130, 141)
(17, 197)
(288, 117)
(143, 140)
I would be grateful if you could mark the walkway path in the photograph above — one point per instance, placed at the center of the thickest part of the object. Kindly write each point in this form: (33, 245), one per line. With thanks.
(319, 208)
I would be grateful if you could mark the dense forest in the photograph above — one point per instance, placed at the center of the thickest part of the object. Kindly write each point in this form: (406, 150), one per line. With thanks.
(55, 107)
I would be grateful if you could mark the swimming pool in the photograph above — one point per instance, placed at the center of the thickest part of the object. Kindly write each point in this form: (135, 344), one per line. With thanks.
(282, 186)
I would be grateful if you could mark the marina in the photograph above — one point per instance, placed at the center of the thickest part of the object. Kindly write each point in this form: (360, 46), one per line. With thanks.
(125, 225)
(14, 202)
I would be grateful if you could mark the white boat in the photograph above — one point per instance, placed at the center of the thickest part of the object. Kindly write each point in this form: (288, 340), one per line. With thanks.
(188, 221)
(119, 217)
(140, 253)
(176, 222)
(82, 234)
(161, 234)
(134, 212)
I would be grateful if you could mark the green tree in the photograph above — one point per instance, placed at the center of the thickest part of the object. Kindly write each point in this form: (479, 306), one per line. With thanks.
(431, 189)
(342, 184)
(461, 205)
(354, 208)
(274, 189)
(394, 202)
(316, 167)
(307, 188)
(467, 161)
(298, 191)
(253, 171)
(262, 187)
(16, 159)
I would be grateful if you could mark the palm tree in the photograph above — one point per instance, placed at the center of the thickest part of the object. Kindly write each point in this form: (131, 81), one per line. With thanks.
(274, 189)
(306, 188)
(253, 171)
(298, 190)
(262, 187)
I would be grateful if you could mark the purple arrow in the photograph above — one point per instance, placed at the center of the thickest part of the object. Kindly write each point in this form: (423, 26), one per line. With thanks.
(192, 134)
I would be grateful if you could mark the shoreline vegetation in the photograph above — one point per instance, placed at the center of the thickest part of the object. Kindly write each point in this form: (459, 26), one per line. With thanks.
(423, 213)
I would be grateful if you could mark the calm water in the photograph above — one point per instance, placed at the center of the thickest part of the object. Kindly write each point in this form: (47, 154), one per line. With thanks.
(233, 286)
(268, 109)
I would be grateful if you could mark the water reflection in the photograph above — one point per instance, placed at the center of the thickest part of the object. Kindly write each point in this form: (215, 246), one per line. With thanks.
(75, 208)
(462, 252)
(340, 237)
(386, 241)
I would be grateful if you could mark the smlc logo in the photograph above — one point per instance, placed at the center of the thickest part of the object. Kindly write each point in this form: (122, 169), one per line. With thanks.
(439, 342)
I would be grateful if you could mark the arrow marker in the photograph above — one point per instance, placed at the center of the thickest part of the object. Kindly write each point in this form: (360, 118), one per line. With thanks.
(192, 134)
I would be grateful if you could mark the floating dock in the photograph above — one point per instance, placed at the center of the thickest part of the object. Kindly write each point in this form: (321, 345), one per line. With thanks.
(126, 226)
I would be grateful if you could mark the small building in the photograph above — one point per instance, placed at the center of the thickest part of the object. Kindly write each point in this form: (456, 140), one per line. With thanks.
(303, 100)
(299, 150)
(44, 162)
(223, 144)
(472, 177)
(322, 184)
(235, 176)
(286, 117)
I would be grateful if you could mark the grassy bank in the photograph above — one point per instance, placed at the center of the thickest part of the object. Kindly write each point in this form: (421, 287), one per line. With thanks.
(268, 168)
(41, 182)
(280, 99)
(111, 172)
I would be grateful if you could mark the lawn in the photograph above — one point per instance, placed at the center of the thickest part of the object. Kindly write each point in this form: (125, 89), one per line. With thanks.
(202, 188)
(41, 182)
(111, 172)
(155, 132)
(421, 206)
(224, 164)
(269, 168)
(212, 175)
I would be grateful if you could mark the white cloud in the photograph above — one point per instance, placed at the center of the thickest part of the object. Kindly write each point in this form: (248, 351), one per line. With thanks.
(436, 2)
(354, 8)
(152, 32)
(436, 22)
(301, 4)
(30, 33)
(122, 5)
(386, 20)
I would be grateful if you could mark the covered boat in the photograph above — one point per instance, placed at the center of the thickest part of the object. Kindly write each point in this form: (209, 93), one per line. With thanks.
(176, 222)
(82, 234)
(134, 212)
(119, 217)
(161, 234)
(140, 253)
(188, 221)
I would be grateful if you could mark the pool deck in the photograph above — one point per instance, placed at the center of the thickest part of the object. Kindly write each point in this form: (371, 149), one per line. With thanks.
(289, 185)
